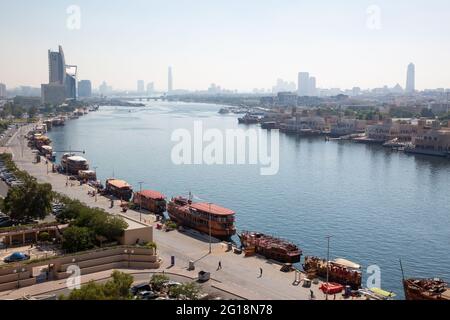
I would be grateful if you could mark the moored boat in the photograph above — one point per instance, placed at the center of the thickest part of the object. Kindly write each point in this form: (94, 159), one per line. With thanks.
(270, 247)
(73, 164)
(150, 200)
(119, 189)
(426, 289)
(341, 271)
(249, 119)
(204, 217)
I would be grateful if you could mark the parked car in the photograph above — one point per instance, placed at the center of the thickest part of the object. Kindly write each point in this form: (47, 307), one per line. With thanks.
(140, 288)
(5, 222)
(16, 257)
(170, 284)
(147, 295)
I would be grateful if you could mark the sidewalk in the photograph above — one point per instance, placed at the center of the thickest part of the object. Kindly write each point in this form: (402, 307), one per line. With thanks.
(239, 275)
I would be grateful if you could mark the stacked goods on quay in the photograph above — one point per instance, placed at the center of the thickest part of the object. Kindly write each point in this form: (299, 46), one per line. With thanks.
(204, 217)
(270, 247)
(150, 200)
(340, 271)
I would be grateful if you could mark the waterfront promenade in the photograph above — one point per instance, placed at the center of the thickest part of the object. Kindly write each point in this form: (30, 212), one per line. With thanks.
(239, 275)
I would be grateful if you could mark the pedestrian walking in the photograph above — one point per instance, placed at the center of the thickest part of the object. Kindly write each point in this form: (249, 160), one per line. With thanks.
(219, 267)
(260, 272)
(311, 294)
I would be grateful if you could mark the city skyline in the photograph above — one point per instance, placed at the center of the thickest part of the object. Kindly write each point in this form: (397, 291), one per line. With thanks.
(340, 53)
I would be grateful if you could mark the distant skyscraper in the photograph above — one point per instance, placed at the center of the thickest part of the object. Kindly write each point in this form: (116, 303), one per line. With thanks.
(56, 66)
(303, 84)
(71, 86)
(84, 89)
(150, 88)
(356, 91)
(59, 78)
(312, 90)
(411, 79)
(2, 90)
(170, 81)
(105, 89)
(140, 86)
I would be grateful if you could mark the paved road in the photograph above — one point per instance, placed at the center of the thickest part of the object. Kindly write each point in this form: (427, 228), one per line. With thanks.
(145, 278)
(239, 274)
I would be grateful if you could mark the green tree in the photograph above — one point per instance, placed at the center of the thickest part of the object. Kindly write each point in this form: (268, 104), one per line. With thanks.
(157, 281)
(90, 291)
(118, 288)
(71, 210)
(31, 200)
(188, 290)
(32, 112)
(101, 223)
(77, 239)
(44, 236)
(427, 113)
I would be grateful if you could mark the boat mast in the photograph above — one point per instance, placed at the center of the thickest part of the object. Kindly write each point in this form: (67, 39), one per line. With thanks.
(401, 268)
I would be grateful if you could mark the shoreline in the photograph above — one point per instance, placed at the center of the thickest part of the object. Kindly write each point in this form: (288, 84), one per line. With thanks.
(240, 277)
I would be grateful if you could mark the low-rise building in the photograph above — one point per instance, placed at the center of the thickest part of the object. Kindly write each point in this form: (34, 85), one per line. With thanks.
(380, 132)
(287, 99)
(431, 139)
(53, 93)
(403, 132)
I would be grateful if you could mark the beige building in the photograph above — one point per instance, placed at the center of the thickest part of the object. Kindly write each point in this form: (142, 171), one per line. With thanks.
(431, 139)
(380, 132)
(20, 275)
(403, 131)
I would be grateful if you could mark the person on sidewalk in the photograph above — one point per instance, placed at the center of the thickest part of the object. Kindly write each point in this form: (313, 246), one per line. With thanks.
(219, 267)
(260, 272)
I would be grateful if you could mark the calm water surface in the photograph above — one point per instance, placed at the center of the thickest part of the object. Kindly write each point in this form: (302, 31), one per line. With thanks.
(379, 205)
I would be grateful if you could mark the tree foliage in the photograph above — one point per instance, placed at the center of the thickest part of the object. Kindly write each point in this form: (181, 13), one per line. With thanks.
(118, 288)
(31, 200)
(189, 290)
(157, 281)
(77, 239)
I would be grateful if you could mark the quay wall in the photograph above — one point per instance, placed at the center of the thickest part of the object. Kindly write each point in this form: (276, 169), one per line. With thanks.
(26, 273)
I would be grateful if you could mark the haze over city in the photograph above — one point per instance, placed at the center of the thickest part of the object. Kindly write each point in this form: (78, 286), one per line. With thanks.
(237, 45)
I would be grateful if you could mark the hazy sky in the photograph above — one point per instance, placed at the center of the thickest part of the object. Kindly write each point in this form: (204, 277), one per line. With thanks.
(238, 44)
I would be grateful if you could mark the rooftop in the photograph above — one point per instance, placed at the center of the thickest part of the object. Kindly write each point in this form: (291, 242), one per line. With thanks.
(77, 159)
(118, 183)
(212, 208)
(152, 194)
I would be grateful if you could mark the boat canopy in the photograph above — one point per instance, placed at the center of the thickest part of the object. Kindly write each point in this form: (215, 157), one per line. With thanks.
(77, 159)
(347, 263)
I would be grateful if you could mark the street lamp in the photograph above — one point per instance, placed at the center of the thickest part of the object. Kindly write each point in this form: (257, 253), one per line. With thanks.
(129, 252)
(18, 275)
(328, 265)
(140, 200)
(95, 192)
(209, 224)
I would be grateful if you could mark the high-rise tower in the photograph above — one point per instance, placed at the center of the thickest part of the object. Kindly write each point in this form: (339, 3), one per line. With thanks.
(170, 81)
(411, 78)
